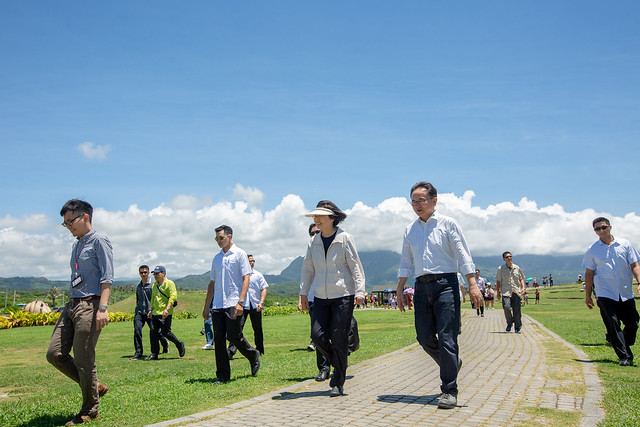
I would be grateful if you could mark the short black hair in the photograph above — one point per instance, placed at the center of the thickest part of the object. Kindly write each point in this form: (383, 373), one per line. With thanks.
(310, 227)
(431, 190)
(143, 266)
(77, 206)
(504, 254)
(338, 216)
(227, 230)
(600, 219)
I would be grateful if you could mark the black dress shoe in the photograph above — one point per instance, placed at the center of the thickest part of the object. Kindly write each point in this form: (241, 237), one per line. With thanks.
(220, 381)
(136, 357)
(181, 349)
(255, 368)
(152, 357)
(165, 350)
(322, 375)
(624, 362)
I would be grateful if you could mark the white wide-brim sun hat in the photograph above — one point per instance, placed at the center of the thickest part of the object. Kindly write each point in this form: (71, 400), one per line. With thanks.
(320, 211)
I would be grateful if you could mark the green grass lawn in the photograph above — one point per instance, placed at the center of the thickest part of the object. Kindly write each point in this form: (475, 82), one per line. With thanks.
(562, 309)
(146, 392)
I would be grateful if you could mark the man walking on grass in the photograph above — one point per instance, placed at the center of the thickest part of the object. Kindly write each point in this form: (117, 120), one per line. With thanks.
(433, 250)
(611, 264)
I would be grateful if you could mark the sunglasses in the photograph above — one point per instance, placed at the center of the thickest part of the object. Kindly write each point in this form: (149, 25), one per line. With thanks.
(604, 227)
(313, 233)
(219, 238)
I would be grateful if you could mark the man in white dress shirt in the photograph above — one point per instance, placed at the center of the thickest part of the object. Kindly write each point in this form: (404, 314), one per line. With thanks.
(433, 250)
(230, 273)
(253, 308)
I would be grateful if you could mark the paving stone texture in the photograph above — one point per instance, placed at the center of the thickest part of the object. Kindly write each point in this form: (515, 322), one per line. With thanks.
(504, 374)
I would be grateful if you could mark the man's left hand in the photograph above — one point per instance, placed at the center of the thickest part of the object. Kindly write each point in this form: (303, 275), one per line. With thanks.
(475, 296)
(239, 310)
(102, 318)
(359, 300)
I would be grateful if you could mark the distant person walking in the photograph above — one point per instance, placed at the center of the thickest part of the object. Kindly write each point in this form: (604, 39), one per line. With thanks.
(433, 250)
(489, 296)
(140, 318)
(226, 294)
(550, 280)
(537, 296)
(611, 264)
(510, 286)
(482, 284)
(163, 297)
(84, 316)
(333, 266)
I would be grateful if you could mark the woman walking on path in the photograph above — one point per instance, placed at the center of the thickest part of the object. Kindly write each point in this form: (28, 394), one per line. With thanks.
(333, 266)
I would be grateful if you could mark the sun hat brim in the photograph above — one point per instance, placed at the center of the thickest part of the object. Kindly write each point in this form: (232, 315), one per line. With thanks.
(320, 211)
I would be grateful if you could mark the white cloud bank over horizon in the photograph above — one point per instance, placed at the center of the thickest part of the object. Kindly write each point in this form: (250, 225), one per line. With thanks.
(179, 233)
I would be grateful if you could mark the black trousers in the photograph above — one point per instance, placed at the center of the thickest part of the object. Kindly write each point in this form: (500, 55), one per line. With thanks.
(256, 323)
(613, 312)
(330, 324)
(139, 320)
(162, 328)
(226, 326)
(321, 362)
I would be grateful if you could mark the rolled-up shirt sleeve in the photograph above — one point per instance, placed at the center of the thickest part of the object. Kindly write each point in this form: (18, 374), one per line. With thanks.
(104, 253)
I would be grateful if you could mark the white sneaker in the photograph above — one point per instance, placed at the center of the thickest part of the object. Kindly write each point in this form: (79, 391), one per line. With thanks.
(207, 346)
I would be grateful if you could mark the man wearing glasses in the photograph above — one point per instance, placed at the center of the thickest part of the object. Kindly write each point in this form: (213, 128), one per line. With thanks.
(433, 250)
(510, 284)
(143, 306)
(226, 295)
(611, 264)
(84, 316)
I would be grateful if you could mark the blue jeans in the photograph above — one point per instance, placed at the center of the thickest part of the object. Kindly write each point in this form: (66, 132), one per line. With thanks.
(513, 310)
(208, 330)
(437, 320)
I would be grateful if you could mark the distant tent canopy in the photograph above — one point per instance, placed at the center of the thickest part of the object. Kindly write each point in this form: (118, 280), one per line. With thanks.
(37, 307)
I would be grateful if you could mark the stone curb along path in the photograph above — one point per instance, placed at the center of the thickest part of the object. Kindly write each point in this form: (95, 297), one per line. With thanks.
(505, 377)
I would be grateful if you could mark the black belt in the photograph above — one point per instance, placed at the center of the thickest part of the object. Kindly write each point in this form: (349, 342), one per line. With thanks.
(427, 278)
(89, 298)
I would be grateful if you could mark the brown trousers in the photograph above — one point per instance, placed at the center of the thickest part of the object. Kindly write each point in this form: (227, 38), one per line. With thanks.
(76, 328)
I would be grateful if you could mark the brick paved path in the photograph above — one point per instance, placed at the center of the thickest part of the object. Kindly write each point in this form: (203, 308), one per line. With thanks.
(504, 375)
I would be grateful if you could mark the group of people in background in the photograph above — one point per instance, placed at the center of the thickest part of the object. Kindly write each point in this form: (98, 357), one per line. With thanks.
(434, 250)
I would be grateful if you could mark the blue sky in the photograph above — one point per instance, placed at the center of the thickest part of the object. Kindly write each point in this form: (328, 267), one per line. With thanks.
(131, 103)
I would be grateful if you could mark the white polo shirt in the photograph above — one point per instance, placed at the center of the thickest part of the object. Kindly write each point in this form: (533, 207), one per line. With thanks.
(613, 277)
(257, 283)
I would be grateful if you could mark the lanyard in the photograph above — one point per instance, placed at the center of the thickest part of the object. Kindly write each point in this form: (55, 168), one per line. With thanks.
(77, 255)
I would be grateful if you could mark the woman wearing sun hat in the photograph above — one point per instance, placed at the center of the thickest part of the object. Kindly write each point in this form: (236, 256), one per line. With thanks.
(333, 266)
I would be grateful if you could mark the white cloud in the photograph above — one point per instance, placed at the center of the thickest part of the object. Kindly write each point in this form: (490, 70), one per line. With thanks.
(179, 233)
(94, 151)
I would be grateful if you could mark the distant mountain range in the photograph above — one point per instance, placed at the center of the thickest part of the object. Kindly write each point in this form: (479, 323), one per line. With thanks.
(380, 269)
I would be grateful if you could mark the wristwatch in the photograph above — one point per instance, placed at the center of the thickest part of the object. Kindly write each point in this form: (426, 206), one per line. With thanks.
(240, 302)
(102, 307)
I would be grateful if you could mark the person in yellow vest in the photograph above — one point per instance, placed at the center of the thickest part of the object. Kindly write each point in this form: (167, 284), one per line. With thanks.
(163, 297)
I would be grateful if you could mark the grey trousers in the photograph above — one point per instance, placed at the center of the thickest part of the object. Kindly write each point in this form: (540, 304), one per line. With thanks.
(76, 329)
(513, 310)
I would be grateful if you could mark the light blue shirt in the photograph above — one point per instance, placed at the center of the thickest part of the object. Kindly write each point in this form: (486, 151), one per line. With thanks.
(227, 271)
(613, 277)
(257, 283)
(93, 255)
(436, 246)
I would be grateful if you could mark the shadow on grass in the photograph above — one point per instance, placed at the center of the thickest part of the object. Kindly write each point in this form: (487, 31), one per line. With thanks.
(48, 420)
(429, 399)
(300, 349)
(205, 381)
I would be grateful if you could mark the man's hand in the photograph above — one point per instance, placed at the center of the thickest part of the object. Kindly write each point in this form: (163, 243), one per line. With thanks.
(102, 319)
(401, 301)
(358, 300)
(149, 315)
(589, 301)
(303, 303)
(259, 307)
(239, 310)
(165, 313)
(475, 296)
(205, 313)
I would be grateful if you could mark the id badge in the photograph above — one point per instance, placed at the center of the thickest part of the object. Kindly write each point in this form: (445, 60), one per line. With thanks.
(75, 282)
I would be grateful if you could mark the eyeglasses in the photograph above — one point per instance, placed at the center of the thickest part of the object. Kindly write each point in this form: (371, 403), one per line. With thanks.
(419, 202)
(144, 272)
(313, 233)
(219, 238)
(67, 224)
(508, 256)
(157, 272)
(604, 227)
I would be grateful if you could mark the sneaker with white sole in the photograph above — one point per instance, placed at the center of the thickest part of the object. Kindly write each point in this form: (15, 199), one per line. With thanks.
(207, 346)
(447, 401)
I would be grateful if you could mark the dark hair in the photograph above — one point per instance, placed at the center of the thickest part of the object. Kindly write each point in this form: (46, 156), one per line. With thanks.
(431, 190)
(143, 266)
(338, 216)
(504, 254)
(227, 230)
(79, 207)
(310, 227)
(600, 219)
(249, 256)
